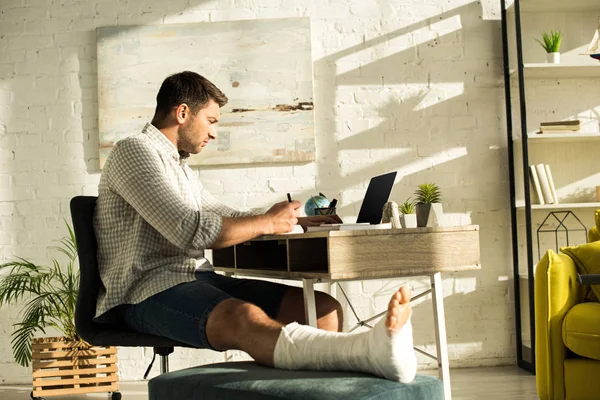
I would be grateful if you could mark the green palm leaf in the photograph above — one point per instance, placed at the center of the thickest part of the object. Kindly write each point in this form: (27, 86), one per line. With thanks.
(50, 294)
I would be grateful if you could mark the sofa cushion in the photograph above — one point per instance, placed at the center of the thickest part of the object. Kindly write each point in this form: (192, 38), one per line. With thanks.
(581, 330)
(587, 260)
(249, 381)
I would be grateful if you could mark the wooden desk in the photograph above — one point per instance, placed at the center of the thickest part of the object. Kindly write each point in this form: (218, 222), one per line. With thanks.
(359, 255)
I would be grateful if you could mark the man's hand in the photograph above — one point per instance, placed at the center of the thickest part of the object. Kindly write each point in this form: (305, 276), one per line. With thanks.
(282, 217)
(319, 220)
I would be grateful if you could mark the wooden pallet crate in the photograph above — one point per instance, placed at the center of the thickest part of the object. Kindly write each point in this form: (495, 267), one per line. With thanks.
(61, 367)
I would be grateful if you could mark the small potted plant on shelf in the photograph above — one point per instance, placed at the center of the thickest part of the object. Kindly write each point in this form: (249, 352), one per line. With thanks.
(551, 43)
(408, 219)
(60, 365)
(428, 205)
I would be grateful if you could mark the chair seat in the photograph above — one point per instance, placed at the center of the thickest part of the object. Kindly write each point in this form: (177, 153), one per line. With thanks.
(249, 381)
(581, 330)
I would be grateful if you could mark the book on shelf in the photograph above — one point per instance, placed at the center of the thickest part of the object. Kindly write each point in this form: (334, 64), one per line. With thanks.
(543, 184)
(551, 182)
(536, 184)
(560, 126)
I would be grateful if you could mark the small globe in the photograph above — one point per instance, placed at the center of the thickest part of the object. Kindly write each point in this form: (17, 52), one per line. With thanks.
(309, 206)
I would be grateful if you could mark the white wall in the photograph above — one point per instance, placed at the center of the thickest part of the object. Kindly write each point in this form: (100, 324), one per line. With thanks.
(407, 85)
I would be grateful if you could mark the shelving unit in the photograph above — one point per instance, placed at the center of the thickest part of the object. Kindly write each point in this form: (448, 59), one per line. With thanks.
(564, 71)
(562, 137)
(571, 154)
(561, 206)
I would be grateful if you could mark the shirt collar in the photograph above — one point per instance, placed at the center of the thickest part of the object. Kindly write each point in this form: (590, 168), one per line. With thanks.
(162, 143)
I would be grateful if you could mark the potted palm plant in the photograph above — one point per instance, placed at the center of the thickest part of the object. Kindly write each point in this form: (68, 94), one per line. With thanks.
(408, 219)
(551, 43)
(428, 204)
(60, 365)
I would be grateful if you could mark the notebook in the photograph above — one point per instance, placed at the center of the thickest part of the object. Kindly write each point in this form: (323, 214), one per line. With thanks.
(371, 209)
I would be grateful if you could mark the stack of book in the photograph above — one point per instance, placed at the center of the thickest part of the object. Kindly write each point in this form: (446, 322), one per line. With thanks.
(560, 126)
(543, 184)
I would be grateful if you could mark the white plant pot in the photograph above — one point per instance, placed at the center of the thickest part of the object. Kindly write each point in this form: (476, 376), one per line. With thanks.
(553, 58)
(435, 215)
(408, 220)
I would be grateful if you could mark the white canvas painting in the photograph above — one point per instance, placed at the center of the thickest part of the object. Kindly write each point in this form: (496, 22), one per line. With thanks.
(263, 66)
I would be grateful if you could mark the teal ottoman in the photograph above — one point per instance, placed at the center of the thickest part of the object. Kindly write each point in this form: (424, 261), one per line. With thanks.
(249, 381)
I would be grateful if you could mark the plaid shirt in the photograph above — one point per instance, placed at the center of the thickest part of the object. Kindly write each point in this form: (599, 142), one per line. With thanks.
(153, 220)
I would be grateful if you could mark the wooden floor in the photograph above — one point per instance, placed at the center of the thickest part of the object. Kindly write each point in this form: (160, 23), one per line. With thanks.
(467, 384)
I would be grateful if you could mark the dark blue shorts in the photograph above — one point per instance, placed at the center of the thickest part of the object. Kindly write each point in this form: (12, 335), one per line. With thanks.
(181, 312)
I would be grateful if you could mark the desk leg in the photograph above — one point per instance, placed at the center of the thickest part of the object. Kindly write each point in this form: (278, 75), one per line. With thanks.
(440, 333)
(309, 302)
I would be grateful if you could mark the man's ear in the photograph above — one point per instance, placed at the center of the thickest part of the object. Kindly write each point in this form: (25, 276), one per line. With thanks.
(182, 113)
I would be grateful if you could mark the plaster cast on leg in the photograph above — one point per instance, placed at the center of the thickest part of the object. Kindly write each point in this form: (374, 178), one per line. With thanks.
(381, 351)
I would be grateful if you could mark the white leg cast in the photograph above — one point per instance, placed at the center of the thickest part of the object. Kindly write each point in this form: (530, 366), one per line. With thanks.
(309, 302)
(440, 333)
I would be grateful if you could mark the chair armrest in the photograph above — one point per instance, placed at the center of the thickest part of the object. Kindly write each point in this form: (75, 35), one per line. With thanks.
(593, 235)
(556, 292)
(588, 279)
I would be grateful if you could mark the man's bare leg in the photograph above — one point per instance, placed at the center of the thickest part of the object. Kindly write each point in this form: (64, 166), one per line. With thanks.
(329, 310)
(238, 325)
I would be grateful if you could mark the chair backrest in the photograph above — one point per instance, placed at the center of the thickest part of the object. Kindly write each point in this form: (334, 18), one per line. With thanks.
(106, 333)
(82, 213)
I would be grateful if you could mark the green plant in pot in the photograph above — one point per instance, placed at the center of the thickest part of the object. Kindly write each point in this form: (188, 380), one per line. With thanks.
(551, 43)
(49, 293)
(428, 204)
(408, 219)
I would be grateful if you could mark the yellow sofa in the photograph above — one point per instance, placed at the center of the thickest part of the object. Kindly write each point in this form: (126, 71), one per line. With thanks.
(567, 330)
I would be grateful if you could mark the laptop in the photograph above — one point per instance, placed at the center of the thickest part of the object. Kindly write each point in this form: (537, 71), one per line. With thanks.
(378, 193)
(371, 209)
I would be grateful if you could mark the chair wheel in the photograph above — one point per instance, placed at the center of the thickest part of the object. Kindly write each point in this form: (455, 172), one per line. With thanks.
(116, 396)
(35, 398)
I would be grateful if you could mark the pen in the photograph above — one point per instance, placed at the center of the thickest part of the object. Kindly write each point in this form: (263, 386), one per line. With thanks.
(289, 198)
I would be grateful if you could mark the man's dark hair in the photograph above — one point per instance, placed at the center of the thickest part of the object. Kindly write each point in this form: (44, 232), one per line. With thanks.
(186, 87)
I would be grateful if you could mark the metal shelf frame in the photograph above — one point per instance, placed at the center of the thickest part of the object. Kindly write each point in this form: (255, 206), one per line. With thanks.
(526, 363)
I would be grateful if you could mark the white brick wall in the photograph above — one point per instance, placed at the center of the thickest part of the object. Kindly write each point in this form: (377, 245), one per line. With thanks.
(399, 85)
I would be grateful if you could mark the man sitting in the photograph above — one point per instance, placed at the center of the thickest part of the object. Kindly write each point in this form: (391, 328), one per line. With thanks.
(153, 221)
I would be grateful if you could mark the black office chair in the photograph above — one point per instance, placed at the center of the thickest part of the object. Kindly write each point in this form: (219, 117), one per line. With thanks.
(102, 334)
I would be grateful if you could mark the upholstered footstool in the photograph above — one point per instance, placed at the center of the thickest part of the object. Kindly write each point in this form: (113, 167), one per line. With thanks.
(249, 381)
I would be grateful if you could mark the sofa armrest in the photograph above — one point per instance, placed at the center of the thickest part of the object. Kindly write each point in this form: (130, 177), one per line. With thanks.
(556, 292)
(593, 235)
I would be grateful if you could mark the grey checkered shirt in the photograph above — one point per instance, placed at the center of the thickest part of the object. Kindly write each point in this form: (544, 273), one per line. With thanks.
(153, 220)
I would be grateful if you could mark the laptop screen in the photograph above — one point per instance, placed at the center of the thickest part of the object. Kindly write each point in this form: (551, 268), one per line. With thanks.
(378, 193)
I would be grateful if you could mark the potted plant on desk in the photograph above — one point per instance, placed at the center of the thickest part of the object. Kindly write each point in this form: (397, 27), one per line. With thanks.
(429, 206)
(551, 43)
(65, 364)
(408, 219)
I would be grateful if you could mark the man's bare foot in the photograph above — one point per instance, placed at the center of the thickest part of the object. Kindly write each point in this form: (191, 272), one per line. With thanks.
(399, 310)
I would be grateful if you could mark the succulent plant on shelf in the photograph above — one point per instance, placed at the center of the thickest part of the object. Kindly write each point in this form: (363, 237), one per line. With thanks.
(408, 207)
(428, 193)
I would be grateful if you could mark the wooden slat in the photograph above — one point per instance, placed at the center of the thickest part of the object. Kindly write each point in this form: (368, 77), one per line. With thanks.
(79, 381)
(92, 389)
(74, 371)
(61, 345)
(73, 353)
(74, 362)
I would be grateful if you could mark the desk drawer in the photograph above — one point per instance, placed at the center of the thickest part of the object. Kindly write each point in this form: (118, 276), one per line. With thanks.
(262, 255)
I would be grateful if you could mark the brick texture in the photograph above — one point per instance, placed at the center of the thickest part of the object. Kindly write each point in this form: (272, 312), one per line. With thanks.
(405, 85)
